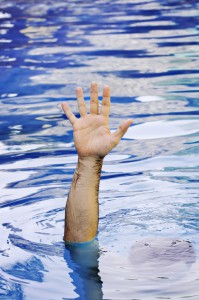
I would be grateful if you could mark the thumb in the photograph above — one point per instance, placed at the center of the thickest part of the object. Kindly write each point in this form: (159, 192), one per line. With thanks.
(122, 129)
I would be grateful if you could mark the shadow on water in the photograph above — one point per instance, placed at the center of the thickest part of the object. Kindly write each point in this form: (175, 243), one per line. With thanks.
(152, 265)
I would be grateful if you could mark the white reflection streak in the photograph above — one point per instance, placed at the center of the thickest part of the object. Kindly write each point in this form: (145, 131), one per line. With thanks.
(162, 129)
(155, 163)
(9, 177)
(50, 161)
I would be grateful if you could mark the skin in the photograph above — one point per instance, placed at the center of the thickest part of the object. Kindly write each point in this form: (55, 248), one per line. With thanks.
(93, 141)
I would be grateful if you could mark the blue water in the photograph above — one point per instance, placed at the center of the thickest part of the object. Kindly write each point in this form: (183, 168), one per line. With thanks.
(148, 52)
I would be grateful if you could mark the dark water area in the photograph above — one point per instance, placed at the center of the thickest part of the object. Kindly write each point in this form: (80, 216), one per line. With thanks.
(148, 52)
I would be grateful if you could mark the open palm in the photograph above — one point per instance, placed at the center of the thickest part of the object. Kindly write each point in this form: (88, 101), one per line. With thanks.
(92, 135)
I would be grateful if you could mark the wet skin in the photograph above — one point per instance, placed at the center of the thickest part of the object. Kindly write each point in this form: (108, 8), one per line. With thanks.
(93, 141)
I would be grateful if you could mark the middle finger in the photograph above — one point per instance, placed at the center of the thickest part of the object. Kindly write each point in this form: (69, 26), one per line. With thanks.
(94, 102)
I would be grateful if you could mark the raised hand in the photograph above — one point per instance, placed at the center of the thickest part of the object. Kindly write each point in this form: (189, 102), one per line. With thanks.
(92, 135)
(93, 140)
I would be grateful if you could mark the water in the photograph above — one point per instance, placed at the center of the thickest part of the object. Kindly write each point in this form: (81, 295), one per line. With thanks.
(147, 51)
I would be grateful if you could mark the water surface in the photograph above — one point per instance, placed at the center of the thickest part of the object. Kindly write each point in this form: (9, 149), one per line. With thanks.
(147, 51)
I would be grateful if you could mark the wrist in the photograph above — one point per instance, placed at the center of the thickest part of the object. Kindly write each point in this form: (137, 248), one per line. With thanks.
(90, 159)
(90, 164)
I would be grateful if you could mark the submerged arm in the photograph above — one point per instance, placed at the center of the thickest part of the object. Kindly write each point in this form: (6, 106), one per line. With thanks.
(93, 141)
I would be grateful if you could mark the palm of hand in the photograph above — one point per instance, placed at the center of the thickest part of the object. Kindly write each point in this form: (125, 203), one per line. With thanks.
(91, 132)
(92, 136)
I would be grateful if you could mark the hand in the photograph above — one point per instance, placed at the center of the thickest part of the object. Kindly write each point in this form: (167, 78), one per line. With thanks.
(92, 135)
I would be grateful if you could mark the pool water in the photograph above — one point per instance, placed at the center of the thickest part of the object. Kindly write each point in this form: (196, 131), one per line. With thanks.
(148, 52)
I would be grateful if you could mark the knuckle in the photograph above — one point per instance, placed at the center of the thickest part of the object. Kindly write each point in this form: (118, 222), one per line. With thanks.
(121, 127)
(93, 101)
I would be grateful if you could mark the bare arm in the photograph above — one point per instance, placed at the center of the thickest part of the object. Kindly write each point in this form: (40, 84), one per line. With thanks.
(93, 141)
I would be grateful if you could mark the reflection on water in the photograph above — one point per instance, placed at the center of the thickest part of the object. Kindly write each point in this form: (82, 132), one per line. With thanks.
(147, 51)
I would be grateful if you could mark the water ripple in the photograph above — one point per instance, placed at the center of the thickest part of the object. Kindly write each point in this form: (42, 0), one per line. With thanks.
(147, 51)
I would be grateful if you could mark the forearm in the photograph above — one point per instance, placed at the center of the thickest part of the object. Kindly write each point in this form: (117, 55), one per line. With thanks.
(82, 208)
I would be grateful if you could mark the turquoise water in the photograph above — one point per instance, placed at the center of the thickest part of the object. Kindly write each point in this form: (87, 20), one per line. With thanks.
(147, 51)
